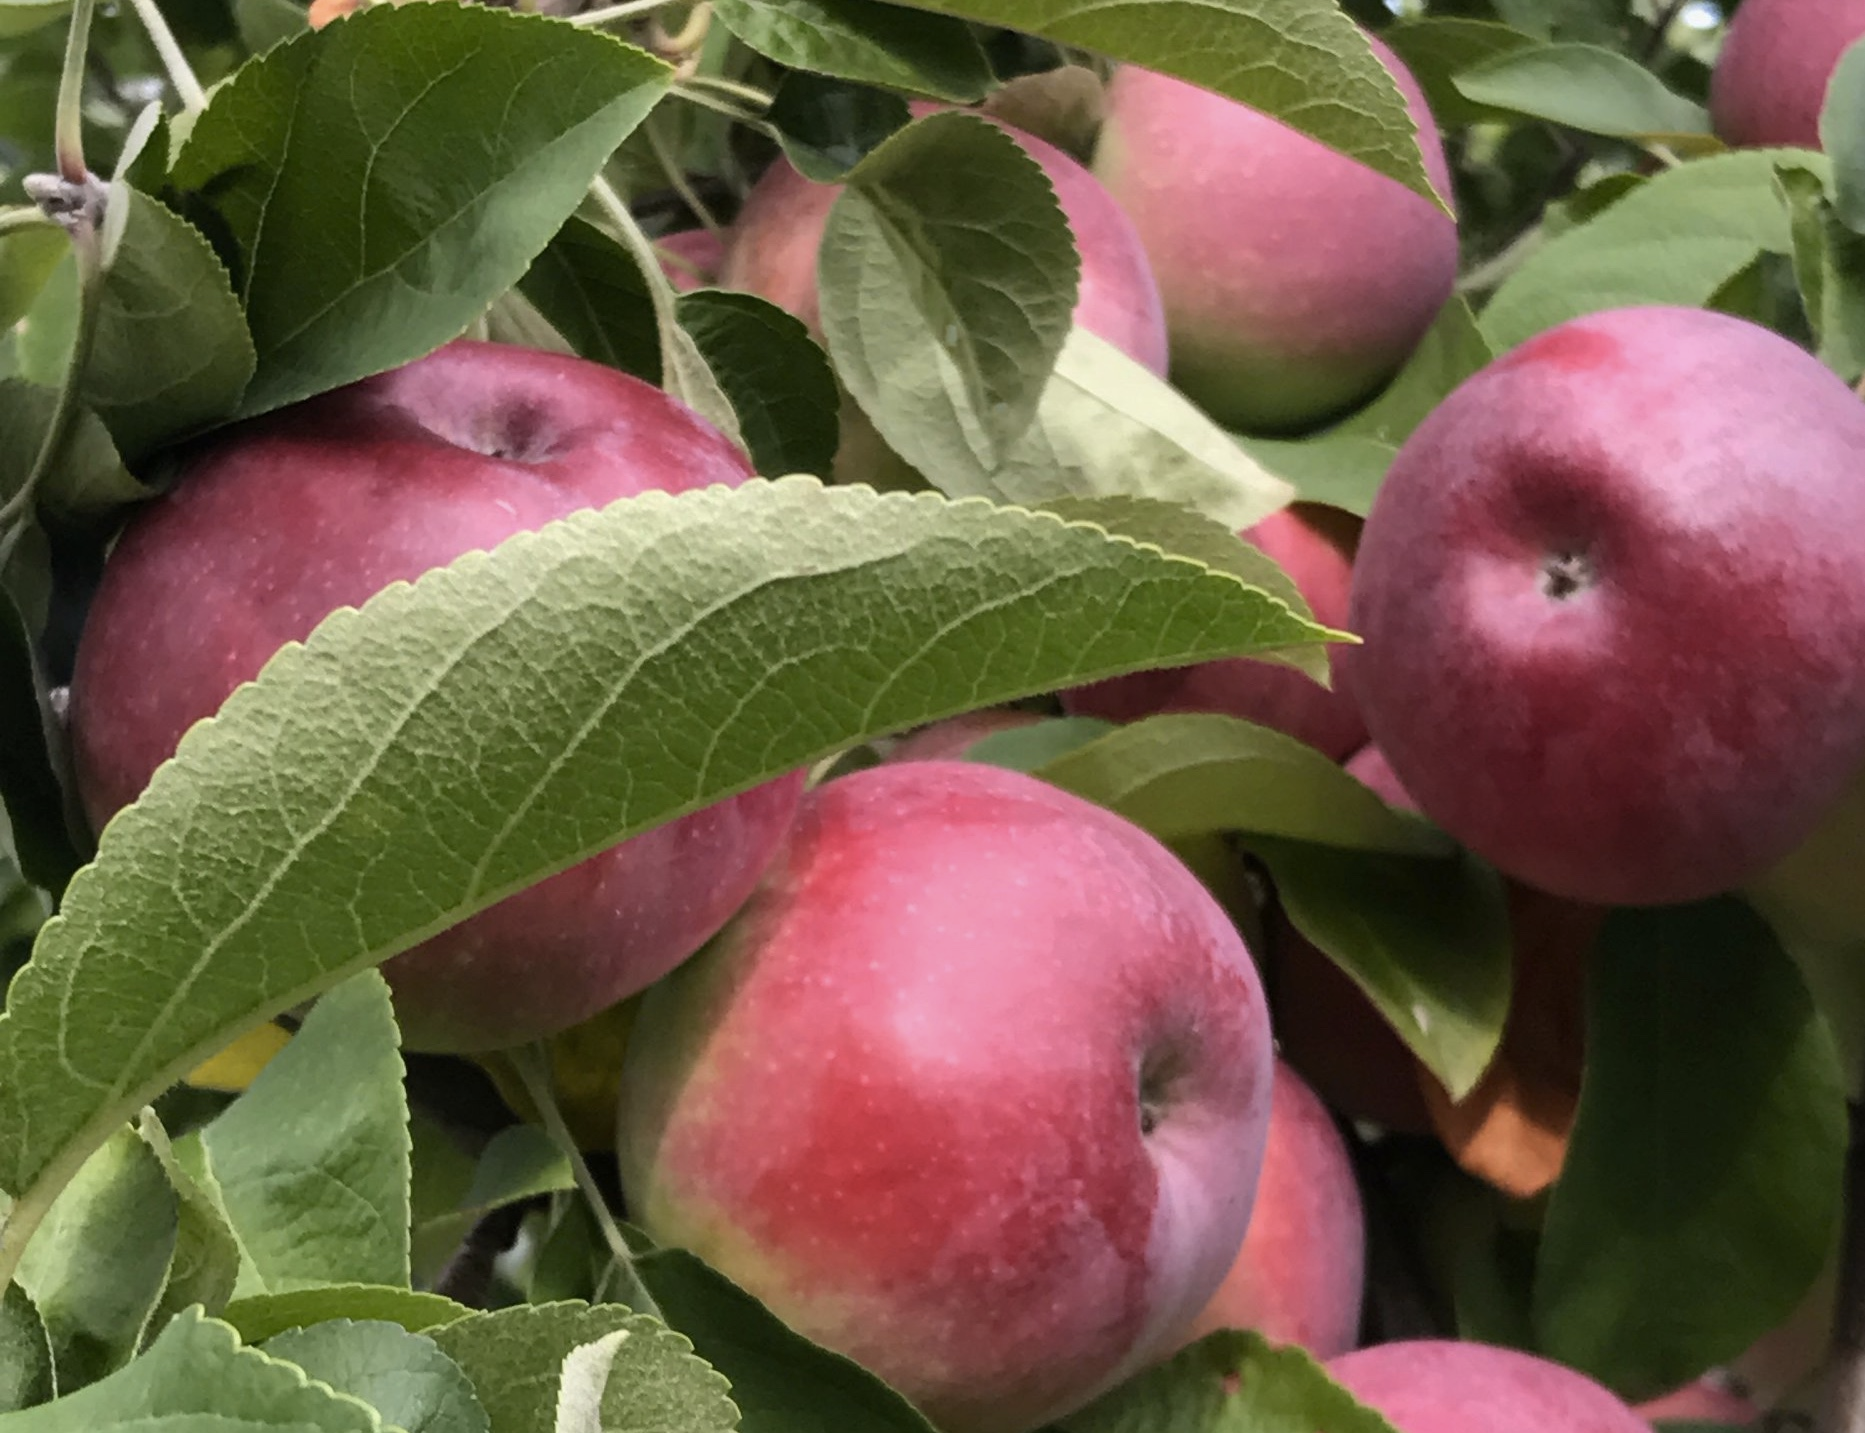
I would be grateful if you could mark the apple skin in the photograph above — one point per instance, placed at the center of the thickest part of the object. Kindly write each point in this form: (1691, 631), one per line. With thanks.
(1314, 545)
(780, 228)
(691, 258)
(284, 519)
(1440, 1386)
(1702, 1401)
(1771, 73)
(974, 1090)
(1295, 280)
(1612, 606)
(1301, 1274)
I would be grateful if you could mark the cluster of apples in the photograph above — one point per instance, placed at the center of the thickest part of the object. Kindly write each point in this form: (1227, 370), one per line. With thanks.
(977, 1083)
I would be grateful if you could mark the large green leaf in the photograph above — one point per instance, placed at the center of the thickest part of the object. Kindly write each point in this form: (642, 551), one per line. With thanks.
(1585, 87)
(373, 208)
(864, 40)
(311, 1162)
(1302, 61)
(290, 843)
(403, 1376)
(1701, 1192)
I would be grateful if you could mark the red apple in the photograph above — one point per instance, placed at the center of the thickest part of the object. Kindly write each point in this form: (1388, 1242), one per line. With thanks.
(1613, 612)
(1314, 545)
(282, 520)
(1438, 1386)
(974, 1090)
(1704, 1401)
(779, 230)
(691, 258)
(1295, 280)
(1771, 73)
(1301, 1273)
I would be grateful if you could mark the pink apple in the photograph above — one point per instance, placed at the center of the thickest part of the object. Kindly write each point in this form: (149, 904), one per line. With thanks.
(1613, 610)
(1314, 545)
(282, 520)
(1295, 280)
(779, 230)
(974, 1090)
(691, 258)
(1301, 1273)
(1704, 1401)
(1438, 1386)
(1771, 73)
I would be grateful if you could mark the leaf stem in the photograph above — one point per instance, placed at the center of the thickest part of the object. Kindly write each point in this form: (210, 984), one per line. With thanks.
(758, 99)
(532, 1065)
(627, 11)
(180, 72)
(1843, 1407)
(68, 128)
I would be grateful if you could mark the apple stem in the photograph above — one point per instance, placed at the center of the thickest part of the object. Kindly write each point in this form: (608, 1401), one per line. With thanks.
(180, 72)
(531, 1063)
(1843, 1409)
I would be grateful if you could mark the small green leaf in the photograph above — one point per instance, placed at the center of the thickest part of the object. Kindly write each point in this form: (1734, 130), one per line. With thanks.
(311, 1162)
(1586, 87)
(945, 305)
(1438, 49)
(87, 479)
(1031, 748)
(518, 1163)
(206, 1265)
(775, 375)
(266, 1315)
(26, 1377)
(1230, 1382)
(1302, 61)
(373, 210)
(27, 258)
(403, 1376)
(1702, 1188)
(1829, 269)
(196, 1377)
(866, 41)
(1842, 135)
(828, 127)
(97, 1267)
(1676, 239)
(515, 1359)
(594, 295)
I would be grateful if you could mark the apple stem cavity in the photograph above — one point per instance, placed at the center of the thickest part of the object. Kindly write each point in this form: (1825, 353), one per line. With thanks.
(1565, 574)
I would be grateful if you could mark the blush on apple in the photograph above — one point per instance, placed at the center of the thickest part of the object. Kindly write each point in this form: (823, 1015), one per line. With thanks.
(1440, 1386)
(282, 520)
(974, 1090)
(1613, 610)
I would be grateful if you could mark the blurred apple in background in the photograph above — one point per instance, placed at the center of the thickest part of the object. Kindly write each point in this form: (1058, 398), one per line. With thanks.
(974, 1090)
(691, 258)
(1771, 73)
(1295, 280)
(280, 521)
(1437, 1386)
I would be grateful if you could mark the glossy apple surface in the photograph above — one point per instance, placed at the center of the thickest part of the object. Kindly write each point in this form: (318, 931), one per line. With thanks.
(974, 1090)
(1301, 1274)
(1772, 70)
(284, 519)
(1438, 1386)
(1295, 280)
(1613, 610)
(1314, 546)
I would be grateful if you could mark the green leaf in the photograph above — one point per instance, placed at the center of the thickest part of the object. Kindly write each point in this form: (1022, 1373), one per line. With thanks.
(1427, 941)
(311, 1162)
(1702, 1187)
(594, 295)
(1031, 748)
(27, 258)
(265, 23)
(862, 40)
(1452, 349)
(290, 844)
(206, 1265)
(1230, 1382)
(196, 1377)
(26, 1376)
(21, 17)
(828, 127)
(97, 1268)
(406, 1378)
(945, 305)
(1586, 87)
(781, 1382)
(1438, 49)
(515, 1358)
(87, 478)
(1187, 774)
(1842, 135)
(775, 375)
(171, 353)
(1676, 239)
(30, 789)
(1302, 61)
(374, 210)
(1342, 469)
(266, 1315)
(1829, 270)
(518, 1162)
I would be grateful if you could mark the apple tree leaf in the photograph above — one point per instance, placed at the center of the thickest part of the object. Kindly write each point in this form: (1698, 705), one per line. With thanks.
(21, 17)
(97, 1268)
(775, 376)
(593, 293)
(1829, 269)
(1438, 48)
(1586, 87)
(371, 211)
(1229, 1382)
(827, 127)
(206, 1265)
(1842, 135)
(403, 1376)
(864, 40)
(27, 258)
(26, 1377)
(311, 1162)
(1302, 61)
(945, 305)
(264, 1316)
(32, 755)
(585, 1376)
(289, 844)
(195, 1375)
(1702, 1188)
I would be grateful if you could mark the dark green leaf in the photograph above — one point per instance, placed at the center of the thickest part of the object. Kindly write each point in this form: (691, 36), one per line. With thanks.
(25, 1353)
(1439, 48)
(30, 757)
(864, 40)
(775, 375)
(828, 126)
(593, 293)
(403, 1376)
